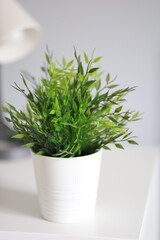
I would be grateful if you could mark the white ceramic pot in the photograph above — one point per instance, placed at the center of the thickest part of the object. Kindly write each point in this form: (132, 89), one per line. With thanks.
(67, 187)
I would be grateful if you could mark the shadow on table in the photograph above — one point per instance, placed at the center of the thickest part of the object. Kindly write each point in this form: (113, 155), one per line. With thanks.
(20, 202)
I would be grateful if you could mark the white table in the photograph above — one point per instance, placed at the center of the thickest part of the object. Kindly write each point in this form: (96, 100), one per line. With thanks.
(122, 207)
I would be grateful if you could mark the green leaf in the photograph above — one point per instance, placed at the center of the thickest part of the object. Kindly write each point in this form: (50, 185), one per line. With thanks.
(106, 148)
(74, 106)
(75, 53)
(107, 77)
(45, 83)
(79, 97)
(86, 57)
(4, 109)
(136, 119)
(47, 48)
(37, 117)
(132, 142)
(135, 115)
(110, 124)
(18, 136)
(58, 127)
(29, 111)
(64, 61)
(40, 152)
(92, 54)
(92, 70)
(117, 110)
(113, 119)
(118, 145)
(52, 112)
(89, 83)
(8, 119)
(11, 107)
(47, 58)
(43, 69)
(96, 59)
(70, 63)
(54, 120)
(77, 148)
(52, 67)
(127, 135)
(98, 85)
(113, 86)
(31, 144)
(56, 103)
(80, 69)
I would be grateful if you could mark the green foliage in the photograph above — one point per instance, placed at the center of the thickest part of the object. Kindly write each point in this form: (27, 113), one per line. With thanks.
(69, 113)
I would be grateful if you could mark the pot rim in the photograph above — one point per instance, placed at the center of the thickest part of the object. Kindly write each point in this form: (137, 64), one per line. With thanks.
(63, 158)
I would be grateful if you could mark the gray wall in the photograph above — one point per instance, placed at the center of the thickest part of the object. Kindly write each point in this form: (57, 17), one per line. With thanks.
(125, 32)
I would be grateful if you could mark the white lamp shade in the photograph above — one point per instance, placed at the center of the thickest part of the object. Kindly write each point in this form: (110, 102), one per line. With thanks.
(19, 32)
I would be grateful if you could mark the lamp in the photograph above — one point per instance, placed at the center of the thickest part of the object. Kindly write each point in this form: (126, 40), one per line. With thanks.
(19, 33)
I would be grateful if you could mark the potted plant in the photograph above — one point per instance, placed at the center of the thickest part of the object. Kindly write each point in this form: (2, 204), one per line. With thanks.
(70, 116)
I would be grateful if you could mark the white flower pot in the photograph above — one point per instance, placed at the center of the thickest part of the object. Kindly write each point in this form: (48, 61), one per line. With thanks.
(67, 187)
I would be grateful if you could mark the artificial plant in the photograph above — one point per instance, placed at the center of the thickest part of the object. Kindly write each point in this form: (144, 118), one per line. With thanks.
(70, 111)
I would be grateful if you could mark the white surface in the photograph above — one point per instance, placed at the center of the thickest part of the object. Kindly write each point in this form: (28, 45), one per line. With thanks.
(67, 187)
(19, 32)
(124, 186)
(150, 228)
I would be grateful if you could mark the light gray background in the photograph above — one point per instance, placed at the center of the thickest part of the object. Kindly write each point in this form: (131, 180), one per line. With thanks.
(125, 32)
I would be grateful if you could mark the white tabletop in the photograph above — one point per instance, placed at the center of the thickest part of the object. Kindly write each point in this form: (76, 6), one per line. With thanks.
(124, 186)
